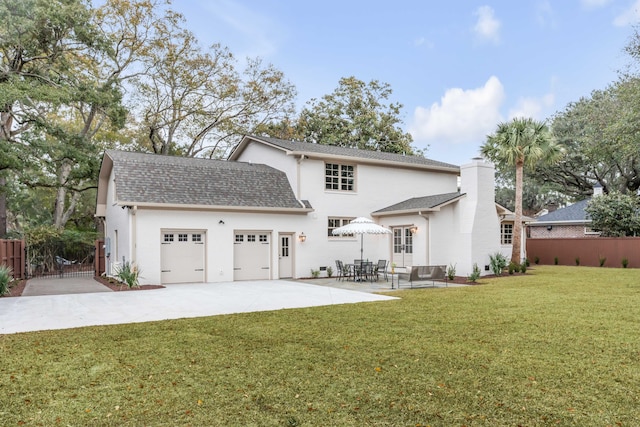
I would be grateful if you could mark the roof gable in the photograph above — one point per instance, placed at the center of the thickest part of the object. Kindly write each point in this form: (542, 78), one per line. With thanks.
(425, 203)
(333, 151)
(152, 179)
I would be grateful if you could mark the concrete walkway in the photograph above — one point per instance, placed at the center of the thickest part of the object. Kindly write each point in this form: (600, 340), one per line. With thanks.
(61, 286)
(35, 313)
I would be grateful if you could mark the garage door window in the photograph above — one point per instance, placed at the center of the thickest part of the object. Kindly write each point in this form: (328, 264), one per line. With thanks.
(263, 238)
(196, 237)
(168, 237)
(239, 238)
(251, 237)
(183, 237)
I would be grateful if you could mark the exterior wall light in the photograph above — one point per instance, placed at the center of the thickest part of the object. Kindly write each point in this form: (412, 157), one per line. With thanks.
(413, 229)
(302, 237)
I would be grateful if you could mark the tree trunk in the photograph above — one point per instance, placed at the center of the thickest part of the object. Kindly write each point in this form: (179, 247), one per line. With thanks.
(3, 209)
(517, 224)
(61, 195)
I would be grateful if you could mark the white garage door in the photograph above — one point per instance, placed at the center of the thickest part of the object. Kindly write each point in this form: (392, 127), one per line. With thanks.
(182, 256)
(251, 260)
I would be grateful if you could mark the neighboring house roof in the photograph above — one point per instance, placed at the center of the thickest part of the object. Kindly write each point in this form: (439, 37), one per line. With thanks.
(574, 213)
(508, 216)
(416, 204)
(157, 180)
(332, 151)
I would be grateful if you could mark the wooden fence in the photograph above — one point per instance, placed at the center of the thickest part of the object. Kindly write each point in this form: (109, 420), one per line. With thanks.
(12, 255)
(589, 251)
(99, 260)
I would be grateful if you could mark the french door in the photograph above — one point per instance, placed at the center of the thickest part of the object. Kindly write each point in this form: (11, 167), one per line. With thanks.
(402, 250)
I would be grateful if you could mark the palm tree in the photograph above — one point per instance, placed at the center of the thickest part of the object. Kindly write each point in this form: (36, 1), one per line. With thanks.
(522, 142)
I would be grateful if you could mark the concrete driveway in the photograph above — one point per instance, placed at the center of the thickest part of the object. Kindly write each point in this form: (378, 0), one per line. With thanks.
(35, 313)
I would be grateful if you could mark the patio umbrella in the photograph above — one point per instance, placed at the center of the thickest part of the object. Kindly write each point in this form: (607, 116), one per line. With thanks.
(361, 226)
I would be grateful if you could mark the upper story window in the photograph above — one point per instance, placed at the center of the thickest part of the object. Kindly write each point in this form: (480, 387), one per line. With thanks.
(506, 233)
(339, 177)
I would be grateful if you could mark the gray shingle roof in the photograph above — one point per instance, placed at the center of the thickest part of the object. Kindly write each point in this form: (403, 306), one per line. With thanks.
(418, 203)
(320, 149)
(157, 179)
(575, 212)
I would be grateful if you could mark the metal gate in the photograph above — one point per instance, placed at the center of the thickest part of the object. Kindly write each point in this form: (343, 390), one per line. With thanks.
(61, 260)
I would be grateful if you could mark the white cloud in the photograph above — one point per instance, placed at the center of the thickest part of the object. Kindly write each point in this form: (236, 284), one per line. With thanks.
(593, 4)
(462, 116)
(487, 26)
(545, 15)
(629, 16)
(532, 107)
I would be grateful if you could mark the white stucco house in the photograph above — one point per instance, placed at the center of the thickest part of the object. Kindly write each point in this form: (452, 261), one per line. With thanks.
(267, 212)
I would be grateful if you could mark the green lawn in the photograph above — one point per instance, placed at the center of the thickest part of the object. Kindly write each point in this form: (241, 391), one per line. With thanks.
(559, 346)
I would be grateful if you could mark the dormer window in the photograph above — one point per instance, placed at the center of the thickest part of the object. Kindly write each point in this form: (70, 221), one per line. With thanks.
(339, 177)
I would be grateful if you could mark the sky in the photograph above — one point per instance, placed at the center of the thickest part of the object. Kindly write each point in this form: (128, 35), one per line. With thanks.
(458, 67)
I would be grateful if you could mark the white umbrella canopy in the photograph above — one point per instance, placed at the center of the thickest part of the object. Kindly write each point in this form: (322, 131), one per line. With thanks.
(361, 226)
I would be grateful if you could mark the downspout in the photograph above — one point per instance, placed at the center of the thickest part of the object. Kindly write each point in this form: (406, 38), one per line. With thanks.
(134, 237)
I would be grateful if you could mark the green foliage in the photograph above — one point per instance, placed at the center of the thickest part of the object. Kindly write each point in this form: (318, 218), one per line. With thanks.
(615, 214)
(6, 276)
(497, 263)
(599, 136)
(356, 115)
(521, 143)
(44, 243)
(451, 271)
(602, 260)
(625, 262)
(475, 274)
(315, 273)
(329, 271)
(513, 267)
(577, 260)
(536, 260)
(129, 274)
(556, 260)
(523, 268)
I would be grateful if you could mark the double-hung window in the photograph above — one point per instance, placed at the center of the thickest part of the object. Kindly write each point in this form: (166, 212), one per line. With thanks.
(335, 222)
(339, 177)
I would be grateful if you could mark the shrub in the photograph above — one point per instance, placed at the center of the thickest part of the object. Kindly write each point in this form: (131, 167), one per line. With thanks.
(497, 263)
(625, 262)
(475, 275)
(523, 268)
(555, 261)
(526, 262)
(451, 271)
(128, 274)
(602, 260)
(513, 267)
(536, 260)
(577, 260)
(6, 275)
(329, 271)
(315, 273)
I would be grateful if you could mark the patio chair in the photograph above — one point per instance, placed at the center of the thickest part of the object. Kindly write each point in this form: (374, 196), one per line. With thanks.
(343, 271)
(381, 268)
(366, 271)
